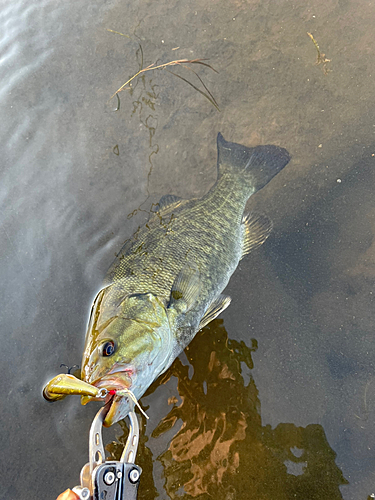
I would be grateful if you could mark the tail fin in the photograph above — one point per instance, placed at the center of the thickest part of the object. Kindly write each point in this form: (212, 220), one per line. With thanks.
(256, 165)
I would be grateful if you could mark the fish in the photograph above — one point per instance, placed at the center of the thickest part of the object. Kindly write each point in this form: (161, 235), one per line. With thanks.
(166, 283)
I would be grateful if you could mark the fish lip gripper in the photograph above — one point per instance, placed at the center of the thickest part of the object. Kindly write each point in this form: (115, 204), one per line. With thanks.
(112, 480)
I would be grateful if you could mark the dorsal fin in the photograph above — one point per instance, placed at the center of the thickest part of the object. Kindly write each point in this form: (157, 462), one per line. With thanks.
(216, 307)
(168, 200)
(257, 229)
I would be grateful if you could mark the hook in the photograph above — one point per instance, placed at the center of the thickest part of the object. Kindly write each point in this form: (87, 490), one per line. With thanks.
(69, 369)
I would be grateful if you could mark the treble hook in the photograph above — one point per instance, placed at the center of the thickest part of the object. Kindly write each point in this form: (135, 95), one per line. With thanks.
(69, 369)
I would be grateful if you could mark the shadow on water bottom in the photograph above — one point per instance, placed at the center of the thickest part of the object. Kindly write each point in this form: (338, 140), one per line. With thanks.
(221, 450)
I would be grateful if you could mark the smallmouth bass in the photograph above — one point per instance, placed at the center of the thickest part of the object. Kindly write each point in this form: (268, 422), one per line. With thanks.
(167, 280)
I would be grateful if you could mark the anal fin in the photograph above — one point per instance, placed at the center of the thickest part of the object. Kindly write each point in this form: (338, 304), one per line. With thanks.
(257, 229)
(216, 307)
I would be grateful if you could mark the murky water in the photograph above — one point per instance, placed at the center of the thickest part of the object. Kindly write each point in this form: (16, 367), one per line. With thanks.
(279, 403)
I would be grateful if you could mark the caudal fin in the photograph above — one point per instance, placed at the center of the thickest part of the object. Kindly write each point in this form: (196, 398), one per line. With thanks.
(257, 166)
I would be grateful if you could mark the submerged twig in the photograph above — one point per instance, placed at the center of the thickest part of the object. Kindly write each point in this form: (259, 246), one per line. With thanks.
(178, 62)
(118, 103)
(151, 67)
(208, 96)
(118, 33)
(321, 58)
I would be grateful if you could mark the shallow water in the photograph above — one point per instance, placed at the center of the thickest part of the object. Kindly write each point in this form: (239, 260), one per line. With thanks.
(299, 417)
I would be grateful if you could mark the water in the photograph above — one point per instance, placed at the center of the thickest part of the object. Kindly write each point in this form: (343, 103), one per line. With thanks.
(306, 392)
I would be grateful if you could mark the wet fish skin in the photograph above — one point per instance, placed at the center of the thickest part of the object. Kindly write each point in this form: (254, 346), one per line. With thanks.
(166, 283)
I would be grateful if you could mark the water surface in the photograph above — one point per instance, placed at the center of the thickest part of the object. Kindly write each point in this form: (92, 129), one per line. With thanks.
(296, 352)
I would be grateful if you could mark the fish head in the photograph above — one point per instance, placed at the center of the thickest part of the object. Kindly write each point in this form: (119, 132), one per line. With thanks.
(128, 344)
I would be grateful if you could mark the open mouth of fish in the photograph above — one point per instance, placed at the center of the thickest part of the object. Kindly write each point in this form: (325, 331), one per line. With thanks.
(117, 381)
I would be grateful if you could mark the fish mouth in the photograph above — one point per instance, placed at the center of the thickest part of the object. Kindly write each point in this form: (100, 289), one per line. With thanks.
(115, 380)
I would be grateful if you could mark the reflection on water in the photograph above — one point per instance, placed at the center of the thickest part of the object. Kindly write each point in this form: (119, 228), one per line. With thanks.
(222, 451)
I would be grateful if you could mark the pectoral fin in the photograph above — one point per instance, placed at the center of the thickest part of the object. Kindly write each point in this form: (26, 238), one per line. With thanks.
(257, 229)
(185, 289)
(216, 307)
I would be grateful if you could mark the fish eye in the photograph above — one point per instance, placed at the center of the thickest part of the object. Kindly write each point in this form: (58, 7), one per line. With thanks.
(108, 348)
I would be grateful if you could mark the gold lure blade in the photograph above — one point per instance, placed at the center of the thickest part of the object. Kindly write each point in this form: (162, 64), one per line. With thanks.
(64, 385)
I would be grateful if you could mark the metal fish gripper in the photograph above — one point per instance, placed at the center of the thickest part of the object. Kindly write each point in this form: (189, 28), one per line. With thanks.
(112, 480)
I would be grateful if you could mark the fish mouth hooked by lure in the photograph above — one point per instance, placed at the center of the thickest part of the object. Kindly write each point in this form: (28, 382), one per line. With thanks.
(118, 383)
(122, 393)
